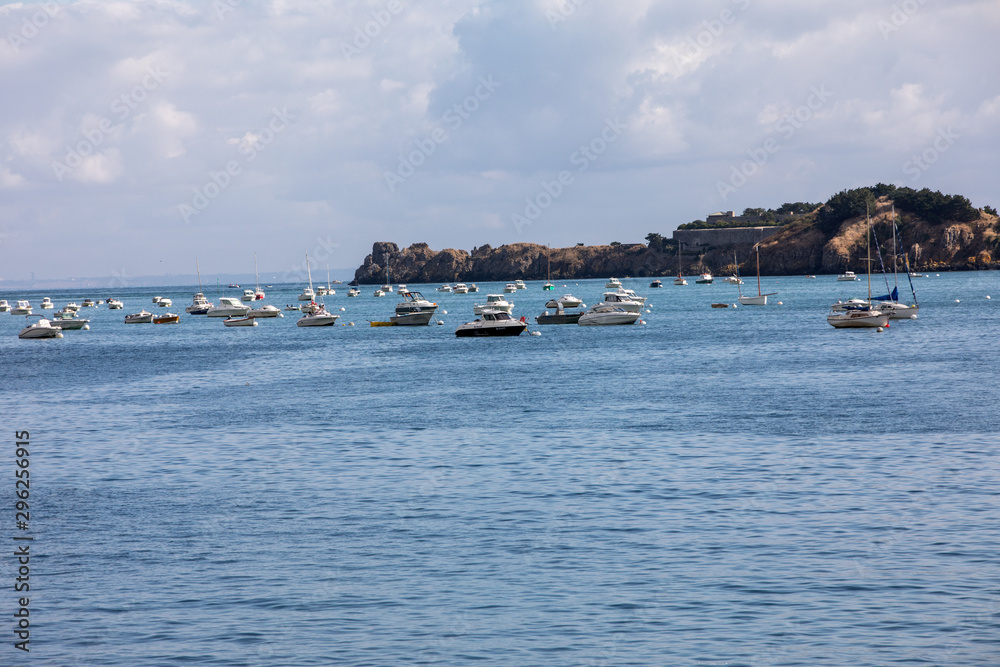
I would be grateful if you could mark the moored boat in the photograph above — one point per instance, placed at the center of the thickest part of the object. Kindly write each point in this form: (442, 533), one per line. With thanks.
(493, 302)
(414, 309)
(142, 317)
(229, 306)
(43, 328)
(167, 318)
(559, 317)
(317, 318)
(22, 307)
(244, 321)
(492, 323)
(605, 313)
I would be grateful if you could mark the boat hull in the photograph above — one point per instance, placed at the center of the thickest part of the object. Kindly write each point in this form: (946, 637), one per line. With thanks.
(753, 300)
(479, 330)
(72, 325)
(240, 322)
(40, 332)
(559, 318)
(317, 321)
(167, 319)
(593, 319)
(857, 320)
(412, 319)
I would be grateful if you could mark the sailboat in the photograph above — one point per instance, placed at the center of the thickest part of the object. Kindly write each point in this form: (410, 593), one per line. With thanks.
(258, 293)
(890, 302)
(388, 286)
(307, 293)
(760, 299)
(861, 314)
(679, 280)
(548, 275)
(199, 304)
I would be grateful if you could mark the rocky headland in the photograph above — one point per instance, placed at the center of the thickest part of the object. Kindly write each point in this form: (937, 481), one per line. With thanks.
(937, 237)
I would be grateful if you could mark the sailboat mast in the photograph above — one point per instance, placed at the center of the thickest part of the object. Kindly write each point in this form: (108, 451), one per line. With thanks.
(256, 277)
(895, 254)
(309, 271)
(198, 269)
(868, 238)
(757, 248)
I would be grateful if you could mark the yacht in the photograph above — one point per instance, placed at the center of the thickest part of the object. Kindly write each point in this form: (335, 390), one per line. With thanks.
(606, 313)
(22, 308)
(4, 306)
(248, 295)
(847, 276)
(559, 317)
(461, 288)
(444, 288)
(414, 309)
(705, 279)
(167, 318)
(142, 317)
(40, 329)
(115, 304)
(613, 283)
(264, 311)
(354, 291)
(47, 303)
(656, 283)
(853, 317)
(164, 303)
(473, 288)
(493, 302)
(199, 305)
(565, 301)
(89, 303)
(492, 323)
(318, 318)
(519, 284)
(229, 306)
(509, 288)
(618, 300)
(244, 321)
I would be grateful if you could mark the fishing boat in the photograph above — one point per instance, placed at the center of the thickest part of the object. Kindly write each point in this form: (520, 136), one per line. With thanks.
(519, 284)
(444, 288)
(4, 306)
(22, 307)
(847, 276)
(245, 321)
(460, 288)
(142, 317)
(761, 298)
(509, 288)
(414, 309)
(705, 279)
(46, 303)
(862, 315)
(613, 283)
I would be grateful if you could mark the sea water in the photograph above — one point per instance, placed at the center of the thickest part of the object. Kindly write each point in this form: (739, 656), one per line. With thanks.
(739, 486)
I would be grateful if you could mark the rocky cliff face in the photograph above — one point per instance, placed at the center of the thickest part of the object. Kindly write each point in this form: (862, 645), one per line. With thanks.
(799, 248)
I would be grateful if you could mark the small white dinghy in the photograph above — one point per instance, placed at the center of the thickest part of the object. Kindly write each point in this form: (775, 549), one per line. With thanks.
(245, 321)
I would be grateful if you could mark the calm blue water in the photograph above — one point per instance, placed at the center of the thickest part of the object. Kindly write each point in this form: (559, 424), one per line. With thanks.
(715, 487)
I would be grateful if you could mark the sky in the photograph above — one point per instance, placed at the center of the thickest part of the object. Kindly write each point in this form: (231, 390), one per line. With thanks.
(137, 137)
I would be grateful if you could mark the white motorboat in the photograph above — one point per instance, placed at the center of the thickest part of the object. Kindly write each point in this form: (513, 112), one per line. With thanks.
(378, 293)
(613, 283)
(400, 289)
(493, 302)
(705, 279)
(248, 295)
(310, 307)
(519, 284)
(142, 317)
(67, 322)
(847, 276)
(387, 289)
(509, 288)
(414, 309)
(321, 291)
(318, 318)
(492, 323)
(307, 294)
(656, 283)
(461, 288)
(621, 291)
(565, 301)
(354, 291)
(229, 306)
(473, 288)
(22, 308)
(89, 303)
(266, 310)
(623, 301)
(245, 321)
(732, 280)
(164, 303)
(605, 313)
(855, 317)
(4, 306)
(199, 305)
(71, 306)
(46, 303)
(40, 329)
(115, 304)
(156, 299)
(292, 306)
(444, 288)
